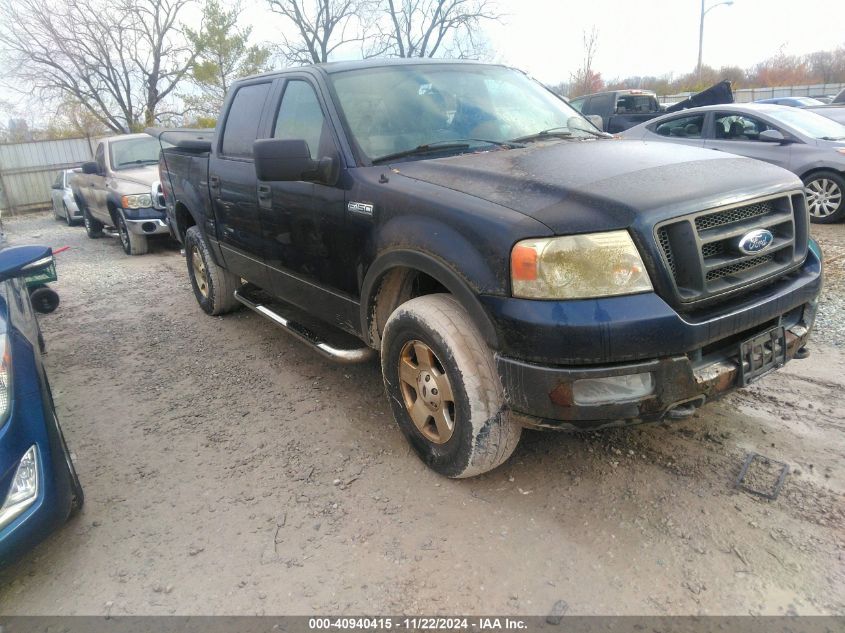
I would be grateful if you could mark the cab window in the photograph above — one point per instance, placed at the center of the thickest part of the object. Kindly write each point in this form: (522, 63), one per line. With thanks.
(738, 127)
(300, 117)
(243, 119)
(680, 127)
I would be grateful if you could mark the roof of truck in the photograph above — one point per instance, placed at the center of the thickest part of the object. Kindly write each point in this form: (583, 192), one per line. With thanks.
(339, 67)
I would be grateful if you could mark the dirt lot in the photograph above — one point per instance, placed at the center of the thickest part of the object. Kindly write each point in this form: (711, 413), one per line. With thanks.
(228, 469)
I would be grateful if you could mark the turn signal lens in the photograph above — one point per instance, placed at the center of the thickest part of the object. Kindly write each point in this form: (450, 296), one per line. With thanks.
(578, 267)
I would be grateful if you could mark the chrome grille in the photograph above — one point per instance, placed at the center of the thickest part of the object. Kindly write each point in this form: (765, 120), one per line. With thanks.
(731, 216)
(733, 269)
(701, 251)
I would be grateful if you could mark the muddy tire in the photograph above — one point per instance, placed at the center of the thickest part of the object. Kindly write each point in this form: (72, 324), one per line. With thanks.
(825, 196)
(213, 286)
(441, 380)
(132, 243)
(93, 228)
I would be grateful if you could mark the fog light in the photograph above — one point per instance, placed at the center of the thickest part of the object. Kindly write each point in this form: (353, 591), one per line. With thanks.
(612, 389)
(24, 489)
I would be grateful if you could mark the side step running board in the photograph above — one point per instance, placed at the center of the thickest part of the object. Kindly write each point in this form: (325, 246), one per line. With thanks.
(344, 356)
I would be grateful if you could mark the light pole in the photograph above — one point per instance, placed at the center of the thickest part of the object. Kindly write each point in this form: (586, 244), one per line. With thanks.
(701, 29)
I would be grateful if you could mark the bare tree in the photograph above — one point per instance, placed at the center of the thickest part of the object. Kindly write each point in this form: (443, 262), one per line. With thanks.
(427, 28)
(118, 60)
(322, 26)
(585, 80)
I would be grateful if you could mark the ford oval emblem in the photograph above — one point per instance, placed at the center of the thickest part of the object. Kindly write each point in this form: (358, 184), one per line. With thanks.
(755, 241)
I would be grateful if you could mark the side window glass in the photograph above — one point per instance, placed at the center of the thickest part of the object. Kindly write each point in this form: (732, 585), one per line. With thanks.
(600, 104)
(243, 119)
(682, 127)
(301, 118)
(59, 180)
(100, 157)
(578, 104)
(733, 127)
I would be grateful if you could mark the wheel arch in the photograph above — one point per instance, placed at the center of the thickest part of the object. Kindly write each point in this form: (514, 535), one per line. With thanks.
(184, 219)
(400, 275)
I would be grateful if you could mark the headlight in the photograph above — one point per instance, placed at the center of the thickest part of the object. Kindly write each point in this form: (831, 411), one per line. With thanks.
(578, 267)
(138, 201)
(24, 488)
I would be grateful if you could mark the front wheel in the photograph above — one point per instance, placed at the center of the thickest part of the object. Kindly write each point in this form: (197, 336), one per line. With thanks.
(68, 218)
(132, 243)
(443, 388)
(825, 196)
(214, 287)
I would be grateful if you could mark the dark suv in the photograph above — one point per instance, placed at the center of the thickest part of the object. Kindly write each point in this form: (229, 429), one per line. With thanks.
(513, 266)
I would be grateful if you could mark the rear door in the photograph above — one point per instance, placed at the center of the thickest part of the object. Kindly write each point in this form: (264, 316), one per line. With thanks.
(233, 185)
(739, 133)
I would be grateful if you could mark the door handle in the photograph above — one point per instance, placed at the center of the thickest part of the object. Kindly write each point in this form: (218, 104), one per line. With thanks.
(264, 191)
(213, 182)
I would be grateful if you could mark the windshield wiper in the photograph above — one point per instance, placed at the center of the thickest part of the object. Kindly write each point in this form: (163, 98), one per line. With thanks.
(553, 132)
(442, 146)
(140, 161)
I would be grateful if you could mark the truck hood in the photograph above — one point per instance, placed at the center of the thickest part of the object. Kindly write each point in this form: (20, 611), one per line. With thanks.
(581, 186)
(145, 175)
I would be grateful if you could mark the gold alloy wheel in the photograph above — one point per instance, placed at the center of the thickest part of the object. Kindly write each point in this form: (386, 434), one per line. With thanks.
(199, 271)
(427, 392)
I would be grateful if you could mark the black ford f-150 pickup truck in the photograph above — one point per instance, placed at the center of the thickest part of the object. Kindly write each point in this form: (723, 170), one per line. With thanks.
(513, 265)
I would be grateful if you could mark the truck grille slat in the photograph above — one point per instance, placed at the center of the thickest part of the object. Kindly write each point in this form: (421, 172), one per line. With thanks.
(697, 272)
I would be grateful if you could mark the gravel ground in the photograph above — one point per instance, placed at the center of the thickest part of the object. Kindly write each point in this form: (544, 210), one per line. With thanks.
(230, 470)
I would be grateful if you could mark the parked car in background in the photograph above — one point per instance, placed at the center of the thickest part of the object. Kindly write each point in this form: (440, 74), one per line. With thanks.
(39, 488)
(545, 276)
(833, 111)
(823, 98)
(61, 194)
(792, 102)
(840, 98)
(120, 189)
(809, 145)
(622, 109)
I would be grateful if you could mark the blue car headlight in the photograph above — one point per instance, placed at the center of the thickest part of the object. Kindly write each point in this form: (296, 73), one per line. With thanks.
(24, 488)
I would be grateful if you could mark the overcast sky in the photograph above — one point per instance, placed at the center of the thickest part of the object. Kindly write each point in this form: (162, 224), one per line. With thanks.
(642, 37)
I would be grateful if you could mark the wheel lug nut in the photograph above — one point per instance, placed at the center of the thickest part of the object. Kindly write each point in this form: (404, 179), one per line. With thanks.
(434, 392)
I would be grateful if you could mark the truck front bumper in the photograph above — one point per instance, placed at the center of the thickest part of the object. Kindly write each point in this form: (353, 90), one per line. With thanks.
(681, 363)
(146, 221)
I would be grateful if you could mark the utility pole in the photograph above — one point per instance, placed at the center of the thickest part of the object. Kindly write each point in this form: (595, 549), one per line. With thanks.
(701, 30)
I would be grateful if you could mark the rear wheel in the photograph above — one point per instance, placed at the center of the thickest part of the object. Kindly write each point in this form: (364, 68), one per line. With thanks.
(93, 228)
(44, 299)
(443, 388)
(214, 287)
(825, 196)
(132, 243)
(68, 219)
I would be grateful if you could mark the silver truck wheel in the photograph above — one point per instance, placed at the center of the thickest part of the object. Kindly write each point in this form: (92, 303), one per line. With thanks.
(214, 287)
(132, 243)
(443, 388)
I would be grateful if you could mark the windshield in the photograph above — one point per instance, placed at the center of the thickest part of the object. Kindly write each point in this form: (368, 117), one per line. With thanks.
(810, 124)
(133, 152)
(396, 109)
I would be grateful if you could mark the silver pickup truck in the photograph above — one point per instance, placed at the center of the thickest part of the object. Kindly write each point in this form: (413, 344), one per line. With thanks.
(120, 189)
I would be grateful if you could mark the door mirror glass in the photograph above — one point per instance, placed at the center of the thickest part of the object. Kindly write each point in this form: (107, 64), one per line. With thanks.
(91, 168)
(286, 160)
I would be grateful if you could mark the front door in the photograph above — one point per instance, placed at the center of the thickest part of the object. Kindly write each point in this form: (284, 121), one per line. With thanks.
(304, 222)
(740, 134)
(232, 184)
(95, 195)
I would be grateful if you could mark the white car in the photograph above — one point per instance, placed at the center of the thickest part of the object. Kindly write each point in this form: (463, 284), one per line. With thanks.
(64, 205)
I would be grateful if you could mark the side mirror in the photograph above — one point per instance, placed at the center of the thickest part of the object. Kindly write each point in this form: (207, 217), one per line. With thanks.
(91, 168)
(596, 120)
(23, 260)
(773, 136)
(289, 160)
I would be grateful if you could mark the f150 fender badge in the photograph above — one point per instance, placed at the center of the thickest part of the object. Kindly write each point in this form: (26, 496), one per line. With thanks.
(360, 208)
(755, 241)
